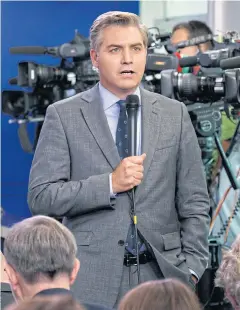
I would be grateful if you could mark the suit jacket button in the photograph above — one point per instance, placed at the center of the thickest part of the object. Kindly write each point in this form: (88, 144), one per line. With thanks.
(121, 242)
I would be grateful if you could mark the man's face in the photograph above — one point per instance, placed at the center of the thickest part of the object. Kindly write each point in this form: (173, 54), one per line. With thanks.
(183, 35)
(120, 59)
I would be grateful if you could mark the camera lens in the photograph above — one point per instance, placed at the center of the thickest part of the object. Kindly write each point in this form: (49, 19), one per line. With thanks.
(187, 85)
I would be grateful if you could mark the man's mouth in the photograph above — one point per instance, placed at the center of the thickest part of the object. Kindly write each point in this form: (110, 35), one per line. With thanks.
(127, 72)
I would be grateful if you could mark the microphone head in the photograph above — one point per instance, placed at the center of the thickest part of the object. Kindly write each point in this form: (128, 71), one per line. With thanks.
(132, 102)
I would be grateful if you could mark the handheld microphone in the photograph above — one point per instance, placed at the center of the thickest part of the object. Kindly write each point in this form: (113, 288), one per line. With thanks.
(132, 106)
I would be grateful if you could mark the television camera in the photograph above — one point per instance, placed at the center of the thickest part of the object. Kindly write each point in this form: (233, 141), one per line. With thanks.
(210, 87)
(206, 95)
(47, 84)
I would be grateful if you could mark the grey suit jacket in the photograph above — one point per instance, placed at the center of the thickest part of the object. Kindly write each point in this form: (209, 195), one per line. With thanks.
(70, 178)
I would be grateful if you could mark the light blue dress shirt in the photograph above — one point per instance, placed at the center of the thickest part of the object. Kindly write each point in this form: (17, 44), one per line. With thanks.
(112, 110)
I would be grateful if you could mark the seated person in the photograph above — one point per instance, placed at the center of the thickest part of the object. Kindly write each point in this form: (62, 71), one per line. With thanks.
(168, 294)
(56, 302)
(228, 274)
(41, 259)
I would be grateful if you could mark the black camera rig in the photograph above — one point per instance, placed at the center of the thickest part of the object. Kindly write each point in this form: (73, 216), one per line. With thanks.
(47, 84)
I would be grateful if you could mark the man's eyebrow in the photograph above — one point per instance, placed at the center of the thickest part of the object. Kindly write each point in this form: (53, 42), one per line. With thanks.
(137, 44)
(118, 45)
(114, 45)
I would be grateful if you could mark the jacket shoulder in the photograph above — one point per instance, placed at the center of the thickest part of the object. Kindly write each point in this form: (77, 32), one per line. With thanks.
(162, 102)
(75, 100)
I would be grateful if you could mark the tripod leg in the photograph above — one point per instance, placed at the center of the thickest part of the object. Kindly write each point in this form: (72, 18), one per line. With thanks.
(226, 163)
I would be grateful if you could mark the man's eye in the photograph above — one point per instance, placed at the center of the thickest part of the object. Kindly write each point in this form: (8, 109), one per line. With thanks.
(114, 50)
(137, 48)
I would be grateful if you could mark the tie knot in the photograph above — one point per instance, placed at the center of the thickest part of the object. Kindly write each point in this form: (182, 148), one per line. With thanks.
(121, 104)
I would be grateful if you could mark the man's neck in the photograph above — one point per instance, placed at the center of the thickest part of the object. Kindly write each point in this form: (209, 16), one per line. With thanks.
(120, 93)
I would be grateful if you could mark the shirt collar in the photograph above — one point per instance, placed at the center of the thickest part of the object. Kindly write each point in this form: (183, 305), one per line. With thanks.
(109, 99)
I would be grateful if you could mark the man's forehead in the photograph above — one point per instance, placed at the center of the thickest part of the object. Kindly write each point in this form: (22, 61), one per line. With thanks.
(122, 34)
(180, 35)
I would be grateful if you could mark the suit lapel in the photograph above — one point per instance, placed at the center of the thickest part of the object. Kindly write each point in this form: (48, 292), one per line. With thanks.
(150, 128)
(97, 123)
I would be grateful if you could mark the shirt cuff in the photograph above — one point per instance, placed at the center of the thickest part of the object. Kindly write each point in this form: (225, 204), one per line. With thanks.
(194, 273)
(112, 195)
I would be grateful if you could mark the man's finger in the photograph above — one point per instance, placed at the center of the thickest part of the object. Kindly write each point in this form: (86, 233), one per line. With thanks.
(138, 160)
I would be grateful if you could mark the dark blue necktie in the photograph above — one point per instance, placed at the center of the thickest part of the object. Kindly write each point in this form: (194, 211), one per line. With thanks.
(122, 145)
(122, 131)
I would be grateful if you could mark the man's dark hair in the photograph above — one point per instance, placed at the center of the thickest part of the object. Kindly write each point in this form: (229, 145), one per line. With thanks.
(200, 28)
(183, 25)
(195, 29)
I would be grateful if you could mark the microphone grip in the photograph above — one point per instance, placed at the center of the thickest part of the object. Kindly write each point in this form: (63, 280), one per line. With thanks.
(132, 131)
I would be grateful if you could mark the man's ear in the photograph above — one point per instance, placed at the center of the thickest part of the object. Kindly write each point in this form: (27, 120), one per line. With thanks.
(11, 273)
(94, 58)
(4, 276)
(75, 270)
(14, 281)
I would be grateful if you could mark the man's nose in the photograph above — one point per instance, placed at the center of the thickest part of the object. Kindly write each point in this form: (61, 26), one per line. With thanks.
(127, 56)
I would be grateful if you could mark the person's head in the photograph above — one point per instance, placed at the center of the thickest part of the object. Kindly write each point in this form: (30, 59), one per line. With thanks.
(118, 50)
(201, 29)
(228, 274)
(169, 294)
(189, 30)
(40, 254)
(55, 302)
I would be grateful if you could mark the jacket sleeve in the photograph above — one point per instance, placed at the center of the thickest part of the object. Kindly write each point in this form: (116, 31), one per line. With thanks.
(192, 198)
(51, 192)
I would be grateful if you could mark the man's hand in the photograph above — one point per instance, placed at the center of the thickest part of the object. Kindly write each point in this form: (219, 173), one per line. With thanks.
(129, 173)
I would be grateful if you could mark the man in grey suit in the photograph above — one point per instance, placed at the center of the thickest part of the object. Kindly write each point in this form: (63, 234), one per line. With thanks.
(81, 172)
